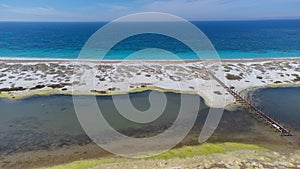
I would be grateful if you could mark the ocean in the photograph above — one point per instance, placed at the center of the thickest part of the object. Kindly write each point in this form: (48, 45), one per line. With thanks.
(232, 40)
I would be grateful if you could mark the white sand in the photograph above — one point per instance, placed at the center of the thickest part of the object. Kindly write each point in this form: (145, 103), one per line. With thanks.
(190, 76)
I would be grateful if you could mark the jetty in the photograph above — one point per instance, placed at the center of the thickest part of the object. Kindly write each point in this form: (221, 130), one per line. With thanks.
(251, 108)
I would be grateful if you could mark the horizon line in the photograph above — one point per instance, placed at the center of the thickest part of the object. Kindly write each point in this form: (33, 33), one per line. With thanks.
(192, 20)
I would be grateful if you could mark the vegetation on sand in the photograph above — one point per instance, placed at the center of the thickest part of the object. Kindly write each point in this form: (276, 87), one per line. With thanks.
(183, 152)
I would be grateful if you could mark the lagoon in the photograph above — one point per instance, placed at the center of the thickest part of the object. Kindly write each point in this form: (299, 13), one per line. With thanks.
(49, 122)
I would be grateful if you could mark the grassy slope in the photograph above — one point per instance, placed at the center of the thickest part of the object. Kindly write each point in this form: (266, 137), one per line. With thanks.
(87, 164)
(207, 149)
(183, 152)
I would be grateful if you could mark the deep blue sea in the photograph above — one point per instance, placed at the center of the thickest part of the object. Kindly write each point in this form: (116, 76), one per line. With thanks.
(232, 39)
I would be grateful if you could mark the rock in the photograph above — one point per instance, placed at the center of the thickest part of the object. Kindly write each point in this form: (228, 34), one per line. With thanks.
(12, 89)
(37, 87)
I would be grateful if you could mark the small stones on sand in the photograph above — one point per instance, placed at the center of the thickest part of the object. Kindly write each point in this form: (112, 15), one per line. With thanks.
(175, 78)
(233, 77)
(12, 89)
(112, 89)
(37, 87)
(100, 92)
(2, 75)
(218, 92)
(55, 86)
(61, 85)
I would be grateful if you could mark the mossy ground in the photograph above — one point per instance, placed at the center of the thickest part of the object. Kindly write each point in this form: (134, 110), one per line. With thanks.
(87, 164)
(206, 149)
(283, 85)
(4, 95)
(183, 152)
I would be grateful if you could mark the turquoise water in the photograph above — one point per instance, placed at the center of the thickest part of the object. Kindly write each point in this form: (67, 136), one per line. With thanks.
(232, 40)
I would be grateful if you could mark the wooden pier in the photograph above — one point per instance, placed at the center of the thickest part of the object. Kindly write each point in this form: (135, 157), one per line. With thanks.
(259, 113)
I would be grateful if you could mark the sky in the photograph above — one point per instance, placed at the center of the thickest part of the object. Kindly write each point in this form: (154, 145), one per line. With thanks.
(107, 10)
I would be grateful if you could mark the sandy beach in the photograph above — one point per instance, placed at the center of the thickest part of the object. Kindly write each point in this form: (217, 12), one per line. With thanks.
(21, 78)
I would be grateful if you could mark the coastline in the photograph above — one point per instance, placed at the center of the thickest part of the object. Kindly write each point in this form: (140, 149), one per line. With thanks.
(28, 59)
(123, 77)
(258, 134)
(58, 92)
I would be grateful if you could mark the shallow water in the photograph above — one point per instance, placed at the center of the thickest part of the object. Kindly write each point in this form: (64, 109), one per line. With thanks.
(282, 104)
(50, 122)
(46, 122)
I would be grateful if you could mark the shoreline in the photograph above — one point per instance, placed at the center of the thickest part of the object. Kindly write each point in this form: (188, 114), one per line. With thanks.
(245, 92)
(4, 58)
(57, 92)
(25, 78)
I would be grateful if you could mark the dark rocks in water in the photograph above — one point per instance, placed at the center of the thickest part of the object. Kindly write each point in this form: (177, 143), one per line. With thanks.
(148, 131)
(63, 109)
(12, 89)
(34, 140)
